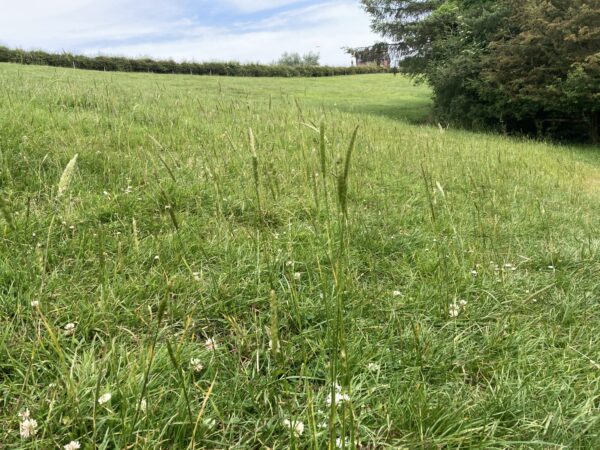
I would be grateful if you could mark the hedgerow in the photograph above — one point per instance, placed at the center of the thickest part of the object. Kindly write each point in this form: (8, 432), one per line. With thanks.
(122, 64)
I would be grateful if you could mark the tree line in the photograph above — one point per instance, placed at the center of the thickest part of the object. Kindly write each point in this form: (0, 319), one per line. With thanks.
(526, 66)
(122, 64)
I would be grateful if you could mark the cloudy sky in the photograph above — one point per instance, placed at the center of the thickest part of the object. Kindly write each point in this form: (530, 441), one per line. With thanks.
(201, 30)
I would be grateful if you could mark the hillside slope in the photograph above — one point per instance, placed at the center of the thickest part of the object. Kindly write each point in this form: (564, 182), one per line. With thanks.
(216, 294)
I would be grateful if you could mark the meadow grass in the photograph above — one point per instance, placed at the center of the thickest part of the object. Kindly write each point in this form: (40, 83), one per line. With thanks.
(236, 270)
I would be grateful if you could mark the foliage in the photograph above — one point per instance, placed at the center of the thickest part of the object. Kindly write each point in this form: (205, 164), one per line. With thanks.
(378, 53)
(527, 66)
(158, 245)
(308, 68)
(294, 59)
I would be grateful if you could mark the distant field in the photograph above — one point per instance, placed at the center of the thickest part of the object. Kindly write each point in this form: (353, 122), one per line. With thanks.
(207, 277)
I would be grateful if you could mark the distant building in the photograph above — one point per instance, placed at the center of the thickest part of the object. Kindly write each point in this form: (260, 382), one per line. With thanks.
(377, 55)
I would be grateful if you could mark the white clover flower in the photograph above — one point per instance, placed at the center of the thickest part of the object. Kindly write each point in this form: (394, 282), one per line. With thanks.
(105, 398)
(69, 329)
(297, 427)
(196, 364)
(373, 367)
(339, 397)
(397, 294)
(28, 428)
(297, 276)
(196, 276)
(210, 344)
(454, 310)
(73, 445)
(462, 304)
(340, 443)
(35, 304)
(209, 423)
(474, 273)
(24, 415)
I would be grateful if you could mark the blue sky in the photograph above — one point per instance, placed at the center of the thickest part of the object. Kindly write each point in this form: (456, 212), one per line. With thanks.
(201, 30)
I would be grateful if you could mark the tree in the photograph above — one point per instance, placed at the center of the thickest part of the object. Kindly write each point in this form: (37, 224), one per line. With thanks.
(294, 59)
(546, 62)
(522, 65)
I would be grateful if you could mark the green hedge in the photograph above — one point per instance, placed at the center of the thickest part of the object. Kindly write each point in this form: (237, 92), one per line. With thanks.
(120, 64)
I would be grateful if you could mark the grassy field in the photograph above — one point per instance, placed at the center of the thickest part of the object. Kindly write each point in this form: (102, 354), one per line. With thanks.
(218, 262)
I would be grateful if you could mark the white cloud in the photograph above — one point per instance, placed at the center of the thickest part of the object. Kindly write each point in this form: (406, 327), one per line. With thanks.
(163, 29)
(249, 6)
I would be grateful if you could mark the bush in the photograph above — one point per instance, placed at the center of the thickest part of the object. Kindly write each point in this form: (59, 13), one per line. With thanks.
(121, 64)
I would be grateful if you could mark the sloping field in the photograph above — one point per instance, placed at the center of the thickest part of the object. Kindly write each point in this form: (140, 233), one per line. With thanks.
(207, 278)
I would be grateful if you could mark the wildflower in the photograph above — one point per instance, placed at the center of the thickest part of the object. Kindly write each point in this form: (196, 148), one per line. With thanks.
(373, 367)
(474, 273)
(105, 398)
(339, 397)
(297, 276)
(35, 304)
(156, 258)
(73, 445)
(196, 276)
(454, 310)
(551, 267)
(210, 344)
(209, 423)
(298, 427)
(397, 294)
(196, 365)
(340, 443)
(28, 427)
(69, 329)
(462, 304)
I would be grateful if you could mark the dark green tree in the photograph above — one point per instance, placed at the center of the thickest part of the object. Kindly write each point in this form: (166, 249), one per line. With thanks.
(522, 65)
